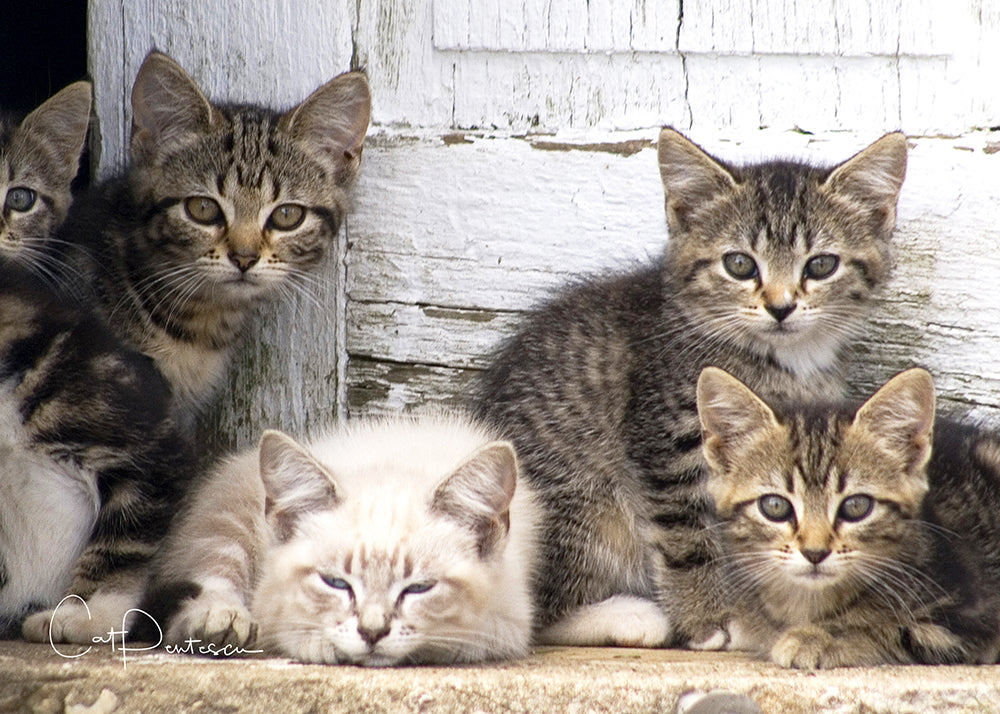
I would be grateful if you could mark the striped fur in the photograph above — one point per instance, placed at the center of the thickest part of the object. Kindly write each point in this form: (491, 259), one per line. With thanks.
(597, 390)
(39, 157)
(847, 539)
(93, 463)
(222, 208)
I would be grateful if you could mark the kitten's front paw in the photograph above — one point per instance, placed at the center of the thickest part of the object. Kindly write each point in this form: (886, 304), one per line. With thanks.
(80, 622)
(619, 621)
(803, 648)
(212, 622)
(933, 644)
(709, 639)
(815, 648)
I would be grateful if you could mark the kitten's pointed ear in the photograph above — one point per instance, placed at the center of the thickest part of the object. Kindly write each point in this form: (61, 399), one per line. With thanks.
(691, 177)
(63, 120)
(294, 481)
(901, 415)
(479, 492)
(730, 414)
(334, 119)
(167, 105)
(874, 176)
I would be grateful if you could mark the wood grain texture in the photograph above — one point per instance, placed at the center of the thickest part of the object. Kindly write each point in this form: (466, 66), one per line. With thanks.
(512, 153)
(410, 303)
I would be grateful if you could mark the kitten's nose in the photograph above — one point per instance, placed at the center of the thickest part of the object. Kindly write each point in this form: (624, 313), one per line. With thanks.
(373, 633)
(780, 312)
(244, 260)
(815, 555)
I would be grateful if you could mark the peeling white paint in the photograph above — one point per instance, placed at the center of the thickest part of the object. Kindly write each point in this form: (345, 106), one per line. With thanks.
(512, 153)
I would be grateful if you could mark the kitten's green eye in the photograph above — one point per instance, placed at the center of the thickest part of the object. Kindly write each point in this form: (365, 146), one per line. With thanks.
(855, 508)
(821, 266)
(287, 216)
(204, 210)
(740, 265)
(336, 583)
(418, 588)
(775, 508)
(20, 199)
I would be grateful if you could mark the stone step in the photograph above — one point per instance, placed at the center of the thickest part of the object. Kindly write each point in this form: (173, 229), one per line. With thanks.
(34, 678)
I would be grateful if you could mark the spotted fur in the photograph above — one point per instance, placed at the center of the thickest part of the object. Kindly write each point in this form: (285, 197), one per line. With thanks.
(769, 272)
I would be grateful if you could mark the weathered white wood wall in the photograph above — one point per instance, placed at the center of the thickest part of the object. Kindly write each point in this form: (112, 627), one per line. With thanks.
(512, 150)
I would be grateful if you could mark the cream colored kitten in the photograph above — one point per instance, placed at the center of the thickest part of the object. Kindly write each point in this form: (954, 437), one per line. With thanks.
(387, 542)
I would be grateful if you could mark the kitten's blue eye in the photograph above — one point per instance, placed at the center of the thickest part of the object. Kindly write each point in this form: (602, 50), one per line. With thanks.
(821, 266)
(418, 588)
(336, 583)
(287, 216)
(775, 508)
(740, 265)
(20, 199)
(856, 508)
(204, 210)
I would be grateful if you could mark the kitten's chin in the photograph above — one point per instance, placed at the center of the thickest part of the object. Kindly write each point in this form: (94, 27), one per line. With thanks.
(241, 289)
(803, 352)
(815, 579)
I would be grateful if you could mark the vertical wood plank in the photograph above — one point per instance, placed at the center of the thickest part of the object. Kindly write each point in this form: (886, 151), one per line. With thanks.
(274, 54)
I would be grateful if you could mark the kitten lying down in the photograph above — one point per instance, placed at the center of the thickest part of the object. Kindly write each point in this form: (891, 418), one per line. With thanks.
(386, 542)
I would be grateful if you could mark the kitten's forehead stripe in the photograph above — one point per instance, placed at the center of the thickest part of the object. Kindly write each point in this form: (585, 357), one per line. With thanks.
(841, 480)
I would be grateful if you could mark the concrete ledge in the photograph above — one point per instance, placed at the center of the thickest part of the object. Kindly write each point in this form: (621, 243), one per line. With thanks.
(35, 679)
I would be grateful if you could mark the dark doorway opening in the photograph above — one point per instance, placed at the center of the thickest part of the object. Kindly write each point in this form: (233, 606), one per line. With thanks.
(44, 48)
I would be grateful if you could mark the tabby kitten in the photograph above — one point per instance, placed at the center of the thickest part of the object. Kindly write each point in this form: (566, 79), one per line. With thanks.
(769, 272)
(847, 541)
(222, 208)
(397, 542)
(91, 466)
(39, 157)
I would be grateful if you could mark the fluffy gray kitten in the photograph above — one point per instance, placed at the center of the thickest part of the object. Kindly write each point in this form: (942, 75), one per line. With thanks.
(408, 541)
(769, 273)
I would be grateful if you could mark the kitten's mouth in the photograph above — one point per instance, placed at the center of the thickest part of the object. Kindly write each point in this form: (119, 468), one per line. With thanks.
(377, 660)
(783, 329)
(816, 577)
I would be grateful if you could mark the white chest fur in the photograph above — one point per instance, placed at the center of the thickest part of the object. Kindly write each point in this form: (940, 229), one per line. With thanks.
(48, 508)
(192, 371)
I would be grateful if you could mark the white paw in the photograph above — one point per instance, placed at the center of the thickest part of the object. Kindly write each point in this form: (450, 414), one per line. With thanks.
(213, 618)
(103, 617)
(619, 621)
(717, 640)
